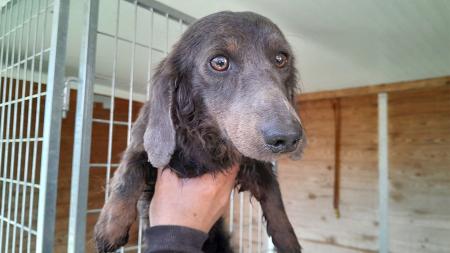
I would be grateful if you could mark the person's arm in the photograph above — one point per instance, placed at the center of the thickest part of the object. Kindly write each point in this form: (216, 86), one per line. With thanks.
(173, 238)
(182, 211)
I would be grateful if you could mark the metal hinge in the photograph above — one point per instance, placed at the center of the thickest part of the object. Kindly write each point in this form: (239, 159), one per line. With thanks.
(66, 94)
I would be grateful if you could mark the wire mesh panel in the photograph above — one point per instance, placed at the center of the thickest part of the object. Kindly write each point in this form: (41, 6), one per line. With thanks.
(246, 224)
(131, 38)
(32, 49)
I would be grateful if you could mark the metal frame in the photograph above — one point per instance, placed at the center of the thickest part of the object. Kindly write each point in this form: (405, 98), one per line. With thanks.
(164, 9)
(84, 121)
(22, 54)
(82, 135)
(85, 98)
(52, 129)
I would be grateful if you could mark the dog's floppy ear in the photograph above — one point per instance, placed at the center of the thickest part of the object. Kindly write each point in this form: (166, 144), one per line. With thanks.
(159, 137)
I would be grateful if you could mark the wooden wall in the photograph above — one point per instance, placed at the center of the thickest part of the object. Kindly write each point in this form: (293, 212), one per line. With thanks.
(419, 152)
(99, 152)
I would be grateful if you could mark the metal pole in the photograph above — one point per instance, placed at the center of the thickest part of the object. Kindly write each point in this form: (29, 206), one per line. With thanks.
(27, 144)
(383, 172)
(11, 136)
(259, 229)
(167, 33)
(7, 26)
(250, 224)
(34, 148)
(130, 107)
(82, 135)
(21, 125)
(113, 95)
(150, 54)
(130, 95)
(270, 246)
(231, 216)
(52, 129)
(241, 222)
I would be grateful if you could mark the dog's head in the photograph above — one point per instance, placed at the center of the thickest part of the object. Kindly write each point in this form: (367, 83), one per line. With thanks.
(237, 70)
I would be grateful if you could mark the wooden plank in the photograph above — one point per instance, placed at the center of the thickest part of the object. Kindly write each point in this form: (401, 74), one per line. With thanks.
(319, 246)
(375, 89)
(419, 152)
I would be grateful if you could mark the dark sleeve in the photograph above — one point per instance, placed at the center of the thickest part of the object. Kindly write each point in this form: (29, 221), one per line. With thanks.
(161, 239)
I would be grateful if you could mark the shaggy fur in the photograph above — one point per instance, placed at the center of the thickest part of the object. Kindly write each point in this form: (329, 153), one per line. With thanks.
(202, 121)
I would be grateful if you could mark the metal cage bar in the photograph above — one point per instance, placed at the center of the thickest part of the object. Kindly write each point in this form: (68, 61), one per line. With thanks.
(81, 152)
(52, 128)
(31, 50)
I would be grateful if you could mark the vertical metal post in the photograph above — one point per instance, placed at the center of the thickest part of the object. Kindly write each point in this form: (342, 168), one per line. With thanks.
(383, 173)
(82, 135)
(28, 133)
(5, 116)
(21, 117)
(113, 96)
(52, 129)
(231, 211)
(131, 88)
(270, 246)
(13, 96)
(37, 122)
(150, 53)
(130, 104)
(167, 33)
(259, 228)
(250, 224)
(241, 222)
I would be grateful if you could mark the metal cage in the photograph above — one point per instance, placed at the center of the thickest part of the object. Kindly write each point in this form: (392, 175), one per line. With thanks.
(32, 56)
(33, 38)
(140, 33)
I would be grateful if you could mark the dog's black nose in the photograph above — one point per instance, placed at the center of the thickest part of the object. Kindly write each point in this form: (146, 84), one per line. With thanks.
(282, 138)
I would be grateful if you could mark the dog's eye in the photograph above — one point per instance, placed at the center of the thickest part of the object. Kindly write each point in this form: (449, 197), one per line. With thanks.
(281, 60)
(219, 63)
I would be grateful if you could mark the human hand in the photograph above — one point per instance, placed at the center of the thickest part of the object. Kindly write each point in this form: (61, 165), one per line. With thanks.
(195, 202)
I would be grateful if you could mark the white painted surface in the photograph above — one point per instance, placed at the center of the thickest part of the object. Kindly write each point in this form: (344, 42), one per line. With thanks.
(383, 173)
(349, 43)
(338, 44)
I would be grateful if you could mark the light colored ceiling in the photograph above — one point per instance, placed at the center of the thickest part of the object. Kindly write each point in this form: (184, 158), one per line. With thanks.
(349, 43)
(338, 43)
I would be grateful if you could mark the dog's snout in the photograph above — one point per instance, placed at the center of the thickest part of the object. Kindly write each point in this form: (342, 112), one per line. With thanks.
(282, 138)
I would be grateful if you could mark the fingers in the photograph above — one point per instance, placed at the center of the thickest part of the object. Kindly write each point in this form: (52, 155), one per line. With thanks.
(192, 202)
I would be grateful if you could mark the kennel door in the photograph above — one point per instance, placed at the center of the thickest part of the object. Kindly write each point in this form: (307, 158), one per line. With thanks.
(122, 42)
(32, 57)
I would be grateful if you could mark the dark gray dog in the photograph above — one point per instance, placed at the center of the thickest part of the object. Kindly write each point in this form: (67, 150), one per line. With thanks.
(223, 96)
